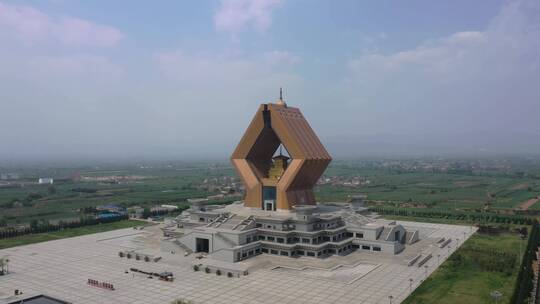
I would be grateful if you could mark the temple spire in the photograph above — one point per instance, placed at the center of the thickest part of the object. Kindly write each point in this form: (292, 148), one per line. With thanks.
(280, 101)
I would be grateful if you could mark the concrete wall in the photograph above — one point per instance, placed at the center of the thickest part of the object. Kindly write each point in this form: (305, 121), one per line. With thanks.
(214, 242)
(224, 254)
(386, 247)
(197, 216)
(370, 234)
(414, 238)
(242, 238)
(169, 246)
(392, 234)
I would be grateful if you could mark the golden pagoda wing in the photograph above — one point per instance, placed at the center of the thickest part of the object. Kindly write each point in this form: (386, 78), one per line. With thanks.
(296, 134)
(250, 136)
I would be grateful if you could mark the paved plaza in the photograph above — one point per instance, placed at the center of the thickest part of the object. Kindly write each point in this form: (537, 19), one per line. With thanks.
(61, 269)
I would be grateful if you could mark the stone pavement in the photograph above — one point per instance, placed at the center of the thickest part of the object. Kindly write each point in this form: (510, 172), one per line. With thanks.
(61, 269)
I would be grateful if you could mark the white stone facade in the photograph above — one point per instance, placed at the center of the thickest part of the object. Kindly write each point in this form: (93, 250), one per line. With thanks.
(235, 233)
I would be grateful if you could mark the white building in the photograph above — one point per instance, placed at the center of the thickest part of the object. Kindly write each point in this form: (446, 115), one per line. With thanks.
(46, 180)
(234, 232)
(8, 176)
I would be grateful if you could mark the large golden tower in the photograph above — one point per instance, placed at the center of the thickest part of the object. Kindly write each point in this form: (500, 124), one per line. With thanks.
(279, 183)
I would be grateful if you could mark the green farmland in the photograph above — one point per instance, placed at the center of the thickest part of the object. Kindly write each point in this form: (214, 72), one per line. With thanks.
(443, 190)
(484, 263)
(388, 186)
(51, 236)
(473, 271)
(64, 201)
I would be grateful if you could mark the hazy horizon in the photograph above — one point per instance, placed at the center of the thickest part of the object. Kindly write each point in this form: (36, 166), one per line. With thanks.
(182, 80)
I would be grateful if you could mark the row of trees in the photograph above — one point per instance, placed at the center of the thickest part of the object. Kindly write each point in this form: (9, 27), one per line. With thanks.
(4, 265)
(27, 201)
(84, 190)
(148, 212)
(45, 226)
(86, 219)
(524, 285)
(473, 217)
(486, 259)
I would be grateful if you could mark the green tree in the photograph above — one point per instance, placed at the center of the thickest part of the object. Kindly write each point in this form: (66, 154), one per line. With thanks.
(3, 222)
(34, 225)
(181, 301)
(51, 189)
(146, 213)
(8, 205)
(4, 265)
(33, 196)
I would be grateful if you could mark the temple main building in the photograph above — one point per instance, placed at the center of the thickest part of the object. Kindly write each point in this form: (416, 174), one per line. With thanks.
(279, 183)
(279, 214)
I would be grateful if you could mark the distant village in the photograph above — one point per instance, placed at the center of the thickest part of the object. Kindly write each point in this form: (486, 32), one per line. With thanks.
(355, 181)
(442, 165)
(225, 185)
(224, 189)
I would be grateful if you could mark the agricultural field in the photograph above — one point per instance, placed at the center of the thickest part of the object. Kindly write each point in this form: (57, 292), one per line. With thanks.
(483, 264)
(56, 235)
(65, 198)
(399, 183)
(443, 190)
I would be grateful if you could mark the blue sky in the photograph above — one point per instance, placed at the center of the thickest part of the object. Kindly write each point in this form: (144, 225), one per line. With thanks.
(182, 78)
(314, 30)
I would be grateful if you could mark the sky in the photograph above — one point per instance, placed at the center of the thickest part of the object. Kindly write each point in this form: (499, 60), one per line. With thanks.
(182, 79)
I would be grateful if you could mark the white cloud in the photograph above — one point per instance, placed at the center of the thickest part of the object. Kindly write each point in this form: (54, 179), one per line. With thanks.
(472, 81)
(62, 103)
(185, 102)
(87, 100)
(236, 15)
(78, 32)
(213, 90)
(31, 26)
(281, 58)
(178, 104)
(52, 78)
(438, 55)
(219, 69)
(463, 91)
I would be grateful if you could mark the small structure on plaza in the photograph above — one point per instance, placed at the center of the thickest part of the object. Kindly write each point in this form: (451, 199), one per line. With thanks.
(279, 214)
(163, 276)
(4, 265)
(39, 299)
(104, 285)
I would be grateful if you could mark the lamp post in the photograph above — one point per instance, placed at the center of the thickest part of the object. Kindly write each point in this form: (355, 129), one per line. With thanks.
(425, 268)
(438, 259)
(390, 299)
(410, 285)
(4, 265)
(496, 296)
(520, 251)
